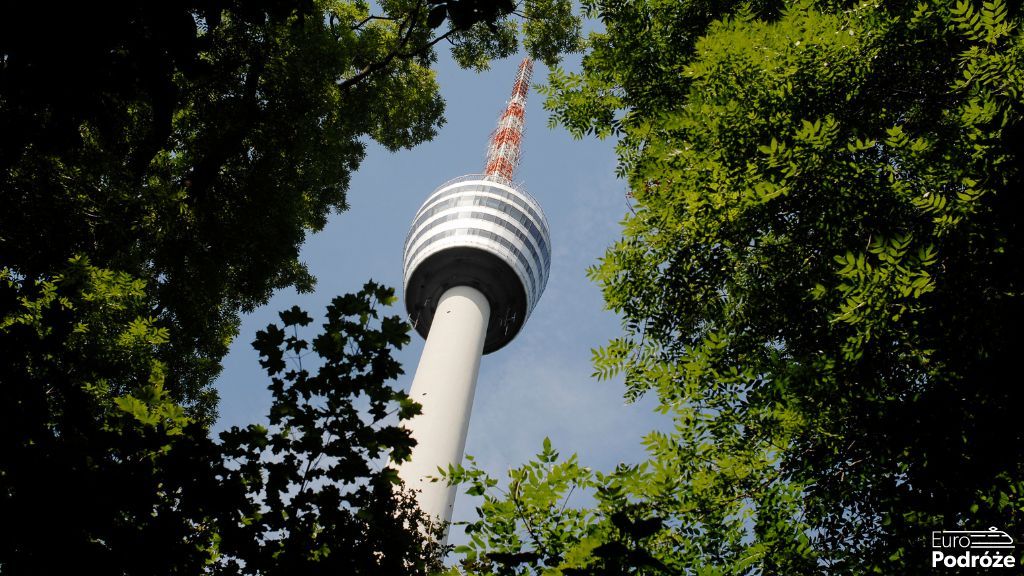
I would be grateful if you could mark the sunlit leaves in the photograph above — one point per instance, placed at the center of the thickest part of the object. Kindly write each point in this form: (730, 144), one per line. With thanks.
(534, 525)
(819, 279)
(89, 433)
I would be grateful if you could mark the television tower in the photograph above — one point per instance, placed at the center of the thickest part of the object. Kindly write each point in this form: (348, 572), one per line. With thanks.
(476, 262)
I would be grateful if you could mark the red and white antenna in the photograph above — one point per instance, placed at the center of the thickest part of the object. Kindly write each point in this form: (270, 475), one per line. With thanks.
(503, 152)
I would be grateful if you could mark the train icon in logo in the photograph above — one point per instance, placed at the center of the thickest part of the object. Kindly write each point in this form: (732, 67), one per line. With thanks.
(991, 539)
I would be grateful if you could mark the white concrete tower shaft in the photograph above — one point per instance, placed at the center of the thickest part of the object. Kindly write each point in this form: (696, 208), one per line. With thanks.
(444, 385)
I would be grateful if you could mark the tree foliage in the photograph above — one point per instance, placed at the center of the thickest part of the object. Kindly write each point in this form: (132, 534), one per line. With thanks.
(821, 281)
(113, 473)
(315, 491)
(88, 430)
(160, 166)
(193, 145)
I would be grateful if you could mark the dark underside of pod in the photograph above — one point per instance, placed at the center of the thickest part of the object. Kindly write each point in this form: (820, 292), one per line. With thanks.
(475, 267)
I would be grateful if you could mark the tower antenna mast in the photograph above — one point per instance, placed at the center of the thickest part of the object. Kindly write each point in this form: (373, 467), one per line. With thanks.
(503, 153)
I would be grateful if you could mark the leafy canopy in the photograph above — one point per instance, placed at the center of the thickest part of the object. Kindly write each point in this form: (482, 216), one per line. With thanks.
(160, 166)
(193, 145)
(820, 279)
(100, 462)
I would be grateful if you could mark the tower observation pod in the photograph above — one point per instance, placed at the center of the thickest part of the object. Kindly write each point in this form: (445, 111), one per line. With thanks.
(476, 262)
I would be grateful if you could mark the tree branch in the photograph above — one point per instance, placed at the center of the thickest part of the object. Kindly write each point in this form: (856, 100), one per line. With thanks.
(395, 53)
(368, 19)
(229, 141)
(537, 544)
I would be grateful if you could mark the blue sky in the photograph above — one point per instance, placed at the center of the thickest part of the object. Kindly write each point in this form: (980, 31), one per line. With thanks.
(538, 386)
